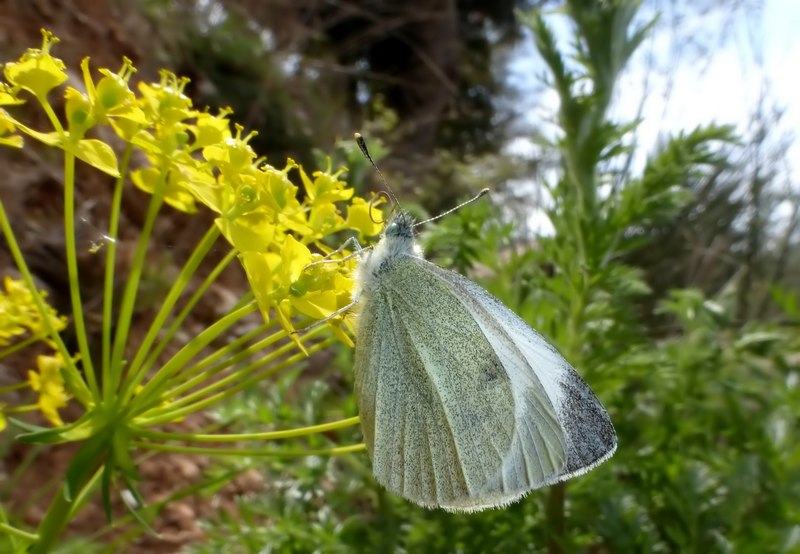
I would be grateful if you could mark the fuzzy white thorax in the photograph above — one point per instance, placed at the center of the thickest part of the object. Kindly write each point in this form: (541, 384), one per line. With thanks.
(396, 240)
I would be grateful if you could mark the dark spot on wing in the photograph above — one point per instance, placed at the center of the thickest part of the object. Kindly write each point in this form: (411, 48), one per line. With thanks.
(490, 373)
(589, 430)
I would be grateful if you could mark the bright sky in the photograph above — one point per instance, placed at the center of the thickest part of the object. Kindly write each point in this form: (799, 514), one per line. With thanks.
(761, 53)
(726, 86)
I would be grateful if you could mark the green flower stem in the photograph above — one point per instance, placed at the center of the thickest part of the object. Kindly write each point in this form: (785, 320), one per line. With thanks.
(21, 345)
(151, 393)
(180, 383)
(85, 494)
(131, 287)
(193, 376)
(255, 452)
(110, 271)
(170, 414)
(175, 326)
(22, 266)
(138, 369)
(60, 511)
(53, 118)
(21, 409)
(19, 533)
(241, 437)
(187, 373)
(72, 271)
(239, 373)
(16, 386)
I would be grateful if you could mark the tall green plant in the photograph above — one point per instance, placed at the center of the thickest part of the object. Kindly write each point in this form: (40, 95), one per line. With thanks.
(127, 386)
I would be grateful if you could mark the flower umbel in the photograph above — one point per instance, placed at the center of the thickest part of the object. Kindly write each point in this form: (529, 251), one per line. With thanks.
(48, 382)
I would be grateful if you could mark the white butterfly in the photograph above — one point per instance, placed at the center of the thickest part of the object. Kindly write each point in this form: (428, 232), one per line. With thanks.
(463, 406)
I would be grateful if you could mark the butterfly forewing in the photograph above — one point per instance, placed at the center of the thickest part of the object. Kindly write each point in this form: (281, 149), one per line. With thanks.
(449, 418)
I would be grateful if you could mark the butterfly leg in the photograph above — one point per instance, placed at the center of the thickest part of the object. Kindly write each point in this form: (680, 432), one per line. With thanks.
(352, 240)
(340, 311)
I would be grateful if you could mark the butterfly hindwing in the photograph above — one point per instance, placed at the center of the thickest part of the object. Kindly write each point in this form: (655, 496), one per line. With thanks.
(588, 430)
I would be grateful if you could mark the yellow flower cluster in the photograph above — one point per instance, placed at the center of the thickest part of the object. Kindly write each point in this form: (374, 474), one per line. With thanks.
(20, 319)
(19, 316)
(194, 157)
(49, 383)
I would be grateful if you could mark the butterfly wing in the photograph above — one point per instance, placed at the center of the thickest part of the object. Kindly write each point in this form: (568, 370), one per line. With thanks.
(526, 355)
(450, 419)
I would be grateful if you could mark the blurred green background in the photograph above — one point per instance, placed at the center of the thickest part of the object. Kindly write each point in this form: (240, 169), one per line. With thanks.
(668, 273)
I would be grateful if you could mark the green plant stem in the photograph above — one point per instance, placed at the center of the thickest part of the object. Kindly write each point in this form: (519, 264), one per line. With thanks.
(22, 409)
(192, 377)
(172, 414)
(19, 533)
(52, 117)
(151, 393)
(153, 509)
(132, 286)
(188, 378)
(175, 326)
(27, 276)
(110, 271)
(61, 508)
(21, 345)
(16, 386)
(241, 437)
(72, 272)
(259, 452)
(138, 369)
(556, 521)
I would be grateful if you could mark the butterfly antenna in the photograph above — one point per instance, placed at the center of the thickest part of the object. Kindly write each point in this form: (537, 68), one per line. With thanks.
(362, 145)
(451, 210)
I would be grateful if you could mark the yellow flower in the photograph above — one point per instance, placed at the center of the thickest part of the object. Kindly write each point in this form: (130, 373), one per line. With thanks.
(19, 314)
(49, 383)
(37, 71)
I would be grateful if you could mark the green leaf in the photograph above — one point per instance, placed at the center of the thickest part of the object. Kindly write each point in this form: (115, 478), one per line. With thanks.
(105, 489)
(88, 425)
(88, 457)
(98, 155)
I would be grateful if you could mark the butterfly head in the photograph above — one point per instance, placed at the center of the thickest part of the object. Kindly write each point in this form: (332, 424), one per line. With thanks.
(401, 226)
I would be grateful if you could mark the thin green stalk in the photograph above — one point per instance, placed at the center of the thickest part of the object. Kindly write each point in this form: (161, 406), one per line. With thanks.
(85, 494)
(21, 409)
(241, 437)
(61, 507)
(110, 380)
(239, 374)
(15, 386)
(21, 345)
(72, 272)
(184, 313)
(152, 390)
(180, 383)
(18, 533)
(132, 286)
(170, 414)
(22, 266)
(137, 369)
(193, 376)
(259, 452)
(53, 118)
